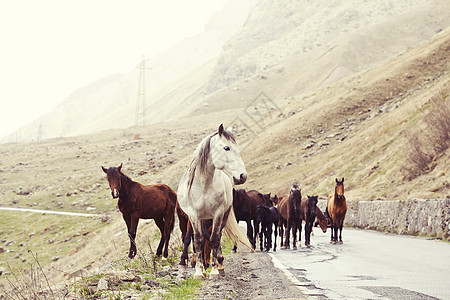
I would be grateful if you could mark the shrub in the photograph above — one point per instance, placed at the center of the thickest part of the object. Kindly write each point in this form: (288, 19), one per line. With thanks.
(429, 143)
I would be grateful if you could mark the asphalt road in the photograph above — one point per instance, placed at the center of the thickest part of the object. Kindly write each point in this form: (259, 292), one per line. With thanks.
(369, 265)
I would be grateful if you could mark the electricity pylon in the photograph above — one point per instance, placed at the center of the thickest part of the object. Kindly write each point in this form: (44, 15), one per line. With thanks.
(141, 101)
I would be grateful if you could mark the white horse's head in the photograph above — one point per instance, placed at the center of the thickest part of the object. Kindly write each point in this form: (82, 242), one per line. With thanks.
(226, 156)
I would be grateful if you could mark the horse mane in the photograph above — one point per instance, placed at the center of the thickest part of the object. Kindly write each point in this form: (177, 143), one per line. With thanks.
(123, 193)
(201, 154)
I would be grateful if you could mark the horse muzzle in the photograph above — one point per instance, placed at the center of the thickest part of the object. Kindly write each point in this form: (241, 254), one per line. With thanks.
(115, 193)
(241, 180)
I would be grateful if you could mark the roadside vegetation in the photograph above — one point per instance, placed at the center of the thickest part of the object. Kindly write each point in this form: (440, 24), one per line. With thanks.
(430, 138)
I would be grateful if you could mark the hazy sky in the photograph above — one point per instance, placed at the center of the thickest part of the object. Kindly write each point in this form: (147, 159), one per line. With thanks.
(49, 48)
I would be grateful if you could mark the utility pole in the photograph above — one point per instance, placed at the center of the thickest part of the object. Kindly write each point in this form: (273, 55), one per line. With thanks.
(141, 101)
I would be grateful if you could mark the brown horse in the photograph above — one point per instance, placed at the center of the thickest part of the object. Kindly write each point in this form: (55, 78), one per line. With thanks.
(308, 208)
(137, 201)
(289, 209)
(336, 210)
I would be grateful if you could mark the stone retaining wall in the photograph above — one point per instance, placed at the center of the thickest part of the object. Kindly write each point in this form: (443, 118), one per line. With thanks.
(416, 216)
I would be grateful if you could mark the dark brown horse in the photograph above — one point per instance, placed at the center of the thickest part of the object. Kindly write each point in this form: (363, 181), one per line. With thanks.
(137, 201)
(266, 217)
(244, 206)
(336, 210)
(289, 209)
(308, 208)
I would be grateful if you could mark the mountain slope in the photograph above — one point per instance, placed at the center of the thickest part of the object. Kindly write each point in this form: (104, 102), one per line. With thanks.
(317, 43)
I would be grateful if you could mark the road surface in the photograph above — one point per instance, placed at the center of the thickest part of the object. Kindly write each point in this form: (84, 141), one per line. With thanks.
(369, 265)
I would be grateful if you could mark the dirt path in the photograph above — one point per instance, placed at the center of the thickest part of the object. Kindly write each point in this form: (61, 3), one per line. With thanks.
(250, 276)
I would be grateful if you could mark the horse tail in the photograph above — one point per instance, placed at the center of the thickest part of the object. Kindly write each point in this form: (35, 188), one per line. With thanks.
(235, 233)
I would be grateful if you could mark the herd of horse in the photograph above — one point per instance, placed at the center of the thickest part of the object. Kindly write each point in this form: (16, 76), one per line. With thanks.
(207, 203)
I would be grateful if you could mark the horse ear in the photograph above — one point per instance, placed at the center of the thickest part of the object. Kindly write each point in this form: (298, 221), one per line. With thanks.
(220, 129)
(104, 169)
(120, 167)
(342, 179)
(336, 180)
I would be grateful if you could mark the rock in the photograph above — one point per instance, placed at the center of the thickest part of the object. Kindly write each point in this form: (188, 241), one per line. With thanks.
(102, 285)
(152, 283)
(309, 145)
(126, 276)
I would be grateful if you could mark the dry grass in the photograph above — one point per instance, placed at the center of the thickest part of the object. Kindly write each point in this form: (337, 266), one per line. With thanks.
(429, 143)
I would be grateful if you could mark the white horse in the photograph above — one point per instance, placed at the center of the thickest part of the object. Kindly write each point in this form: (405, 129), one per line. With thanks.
(205, 192)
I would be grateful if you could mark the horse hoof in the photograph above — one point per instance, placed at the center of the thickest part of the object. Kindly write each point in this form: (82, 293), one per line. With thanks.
(294, 248)
(221, 272)
(199, 276)
(214, 274)
(341, 242)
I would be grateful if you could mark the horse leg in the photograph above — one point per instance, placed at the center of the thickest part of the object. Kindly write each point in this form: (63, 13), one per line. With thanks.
(160, 223)
(308, 227)
(335, 234)
(300, 233)
(280, 231)
(294, 235)
(269, 237)
(288, 233)
(127, 219)
(251, 236)
(132, 234)
(215, 247)
(340, 233)
(199, 244)
(235, 245)
(168, 226)
(206, 230)
(332, 230)
(261, 238)
(186, 241)
(258, 233)
(275, 240)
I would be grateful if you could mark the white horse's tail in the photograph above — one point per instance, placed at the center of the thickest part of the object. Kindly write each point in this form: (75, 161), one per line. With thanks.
(235, 233)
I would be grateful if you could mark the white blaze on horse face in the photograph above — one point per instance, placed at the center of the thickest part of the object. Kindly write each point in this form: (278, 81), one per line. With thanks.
(226, 156)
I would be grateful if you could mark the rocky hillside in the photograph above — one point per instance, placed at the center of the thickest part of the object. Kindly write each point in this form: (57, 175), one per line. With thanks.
(292, 47)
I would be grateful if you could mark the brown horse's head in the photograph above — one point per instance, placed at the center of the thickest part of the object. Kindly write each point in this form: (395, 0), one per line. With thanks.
(339, 188)
(268, 200)
(322, 220)
(274, 200)
(114, 176)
